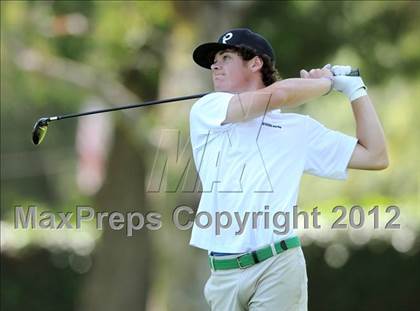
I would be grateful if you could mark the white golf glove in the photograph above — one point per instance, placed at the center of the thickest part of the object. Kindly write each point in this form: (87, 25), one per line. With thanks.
(352, 86)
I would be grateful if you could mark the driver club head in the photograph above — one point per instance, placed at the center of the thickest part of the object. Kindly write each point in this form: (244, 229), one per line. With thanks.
(39, 131)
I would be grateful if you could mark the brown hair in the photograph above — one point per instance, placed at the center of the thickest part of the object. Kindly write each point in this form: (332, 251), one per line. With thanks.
(269, 73)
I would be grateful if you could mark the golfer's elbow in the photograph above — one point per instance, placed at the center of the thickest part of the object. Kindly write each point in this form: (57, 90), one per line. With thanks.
(380, 159)
(383, 160)
(369, 159)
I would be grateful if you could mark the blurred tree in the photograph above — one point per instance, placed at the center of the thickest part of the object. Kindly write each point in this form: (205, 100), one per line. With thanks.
(121, 274)
(307, 34)
(130, 263)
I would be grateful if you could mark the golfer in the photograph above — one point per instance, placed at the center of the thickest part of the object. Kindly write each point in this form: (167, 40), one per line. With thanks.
(251, 156)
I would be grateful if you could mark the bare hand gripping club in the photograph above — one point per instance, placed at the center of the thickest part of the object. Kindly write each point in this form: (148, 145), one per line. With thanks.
(41, 126)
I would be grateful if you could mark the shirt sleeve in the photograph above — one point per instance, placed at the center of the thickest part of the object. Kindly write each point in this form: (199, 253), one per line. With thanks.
(207, 115)
(328, 152)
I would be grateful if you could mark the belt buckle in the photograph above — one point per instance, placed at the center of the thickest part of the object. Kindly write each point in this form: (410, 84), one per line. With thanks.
(238, 260)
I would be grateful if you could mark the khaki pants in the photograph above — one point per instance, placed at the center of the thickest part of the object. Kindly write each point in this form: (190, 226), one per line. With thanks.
(278, 283)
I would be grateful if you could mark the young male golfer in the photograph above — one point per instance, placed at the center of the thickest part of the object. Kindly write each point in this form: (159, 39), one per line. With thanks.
(250, 158)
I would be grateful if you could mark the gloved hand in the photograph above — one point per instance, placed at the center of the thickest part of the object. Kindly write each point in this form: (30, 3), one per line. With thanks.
(352, 86)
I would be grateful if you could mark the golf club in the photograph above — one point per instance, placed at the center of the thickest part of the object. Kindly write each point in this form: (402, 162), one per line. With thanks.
(41, 126)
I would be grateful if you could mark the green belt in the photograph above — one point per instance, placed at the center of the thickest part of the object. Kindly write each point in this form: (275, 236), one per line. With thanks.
(252, 258)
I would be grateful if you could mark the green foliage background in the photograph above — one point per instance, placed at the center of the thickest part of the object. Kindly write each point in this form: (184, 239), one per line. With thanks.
(125, 44)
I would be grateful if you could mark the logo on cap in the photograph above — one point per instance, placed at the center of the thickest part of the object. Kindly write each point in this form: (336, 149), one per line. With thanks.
(227, 37)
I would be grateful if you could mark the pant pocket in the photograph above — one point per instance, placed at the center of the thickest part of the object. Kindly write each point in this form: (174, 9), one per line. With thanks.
(303, 301)
(206, 290)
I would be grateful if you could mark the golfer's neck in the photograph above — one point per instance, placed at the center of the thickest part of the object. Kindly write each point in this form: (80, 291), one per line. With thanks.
(252, 85)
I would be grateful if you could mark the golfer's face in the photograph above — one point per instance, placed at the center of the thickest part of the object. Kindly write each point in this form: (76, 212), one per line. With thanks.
(230, 73)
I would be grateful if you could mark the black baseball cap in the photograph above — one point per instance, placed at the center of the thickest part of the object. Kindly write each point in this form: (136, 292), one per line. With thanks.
(203, 54)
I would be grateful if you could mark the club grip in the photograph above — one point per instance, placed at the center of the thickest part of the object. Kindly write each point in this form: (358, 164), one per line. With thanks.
(354, 72)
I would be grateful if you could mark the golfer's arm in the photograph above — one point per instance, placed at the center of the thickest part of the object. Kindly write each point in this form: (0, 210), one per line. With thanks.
(289, 92)
(370, 152)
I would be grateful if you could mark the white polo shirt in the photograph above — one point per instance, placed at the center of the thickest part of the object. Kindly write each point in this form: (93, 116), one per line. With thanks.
(256, 166)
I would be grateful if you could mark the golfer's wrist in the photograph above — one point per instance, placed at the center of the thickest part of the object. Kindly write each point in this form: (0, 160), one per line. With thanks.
(357, 94)
(330, 84)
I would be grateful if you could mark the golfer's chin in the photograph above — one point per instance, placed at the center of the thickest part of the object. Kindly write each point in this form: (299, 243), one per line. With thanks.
(221, 87)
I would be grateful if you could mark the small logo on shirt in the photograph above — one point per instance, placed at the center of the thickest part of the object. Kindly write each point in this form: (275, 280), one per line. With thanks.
(271, 125)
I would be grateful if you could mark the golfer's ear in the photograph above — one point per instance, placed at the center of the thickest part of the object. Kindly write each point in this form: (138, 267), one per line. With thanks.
(256, 63)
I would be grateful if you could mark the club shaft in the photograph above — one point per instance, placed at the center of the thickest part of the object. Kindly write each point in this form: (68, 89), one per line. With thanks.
(147, 103)
(354, 72)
